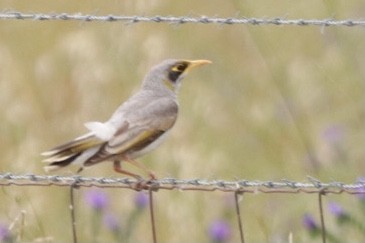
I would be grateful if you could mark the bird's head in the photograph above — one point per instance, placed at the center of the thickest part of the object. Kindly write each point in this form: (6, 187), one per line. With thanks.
(169, 73)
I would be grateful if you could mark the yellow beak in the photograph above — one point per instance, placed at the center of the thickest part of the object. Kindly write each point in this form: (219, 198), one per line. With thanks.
(196, 63)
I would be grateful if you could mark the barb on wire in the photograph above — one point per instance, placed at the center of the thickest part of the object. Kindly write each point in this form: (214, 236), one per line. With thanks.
(15, 15)
(283, 186)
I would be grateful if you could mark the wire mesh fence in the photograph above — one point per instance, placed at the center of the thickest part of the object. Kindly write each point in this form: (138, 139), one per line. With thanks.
(236, 187)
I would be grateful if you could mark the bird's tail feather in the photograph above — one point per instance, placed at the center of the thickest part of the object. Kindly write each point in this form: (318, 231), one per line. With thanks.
(61, 163)
(72, 151)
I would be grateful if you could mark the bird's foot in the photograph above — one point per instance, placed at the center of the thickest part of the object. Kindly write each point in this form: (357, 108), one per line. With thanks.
(152, 175)
(143, 184)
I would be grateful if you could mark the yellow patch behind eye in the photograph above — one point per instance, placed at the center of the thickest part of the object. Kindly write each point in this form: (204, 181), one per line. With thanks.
(176, 69)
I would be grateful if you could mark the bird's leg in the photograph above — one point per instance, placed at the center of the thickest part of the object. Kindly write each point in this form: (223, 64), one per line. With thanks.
(141, 166)
(118, 168)
(139, 185)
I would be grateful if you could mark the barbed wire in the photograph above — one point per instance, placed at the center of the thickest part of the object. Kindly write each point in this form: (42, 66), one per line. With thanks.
(282, 186)
(15, 15)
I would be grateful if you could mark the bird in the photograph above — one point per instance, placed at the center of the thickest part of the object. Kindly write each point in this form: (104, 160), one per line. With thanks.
(138, 126)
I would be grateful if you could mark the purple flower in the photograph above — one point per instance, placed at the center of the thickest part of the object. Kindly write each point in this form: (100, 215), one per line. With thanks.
(4, 233)
(97, 199)
(333, 134)
(111, 222)
(336, 209)
(309, 223)
(141, 200)
(219, 231)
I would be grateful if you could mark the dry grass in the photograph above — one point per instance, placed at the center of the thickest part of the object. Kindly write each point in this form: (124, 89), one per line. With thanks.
(278, 102)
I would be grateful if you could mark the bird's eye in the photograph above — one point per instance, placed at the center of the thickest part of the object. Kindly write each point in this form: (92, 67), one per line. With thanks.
(179, 67)
(176, 71)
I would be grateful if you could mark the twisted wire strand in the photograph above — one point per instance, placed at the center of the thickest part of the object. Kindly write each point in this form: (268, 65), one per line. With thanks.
(282, 186)
(15, 15)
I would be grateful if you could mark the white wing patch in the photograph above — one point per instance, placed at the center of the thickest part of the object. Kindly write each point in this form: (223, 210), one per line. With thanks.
(104, 131)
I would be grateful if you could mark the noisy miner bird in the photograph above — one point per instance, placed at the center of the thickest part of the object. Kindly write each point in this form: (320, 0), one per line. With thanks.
(138, 126)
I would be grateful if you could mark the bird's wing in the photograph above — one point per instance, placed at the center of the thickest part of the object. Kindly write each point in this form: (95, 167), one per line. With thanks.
(140, 128)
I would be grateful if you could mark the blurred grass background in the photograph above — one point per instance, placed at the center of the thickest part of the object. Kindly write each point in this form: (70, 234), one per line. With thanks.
(277, 102)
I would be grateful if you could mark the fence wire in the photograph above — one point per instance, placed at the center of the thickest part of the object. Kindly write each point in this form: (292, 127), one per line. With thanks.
(15, 15)
(282, 186)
